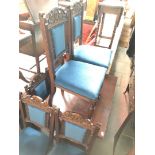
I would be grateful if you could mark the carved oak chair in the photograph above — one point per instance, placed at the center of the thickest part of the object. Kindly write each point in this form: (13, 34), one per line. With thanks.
(37, 135)
(81, 79)
(85, 53)
(74, 134)
(109, 18)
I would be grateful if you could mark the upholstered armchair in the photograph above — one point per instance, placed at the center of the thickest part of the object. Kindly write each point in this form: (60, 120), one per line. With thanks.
(81, 79)
(74, 134)
(38, 119)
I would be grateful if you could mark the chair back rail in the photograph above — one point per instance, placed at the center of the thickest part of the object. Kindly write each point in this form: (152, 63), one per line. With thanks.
(84, 126)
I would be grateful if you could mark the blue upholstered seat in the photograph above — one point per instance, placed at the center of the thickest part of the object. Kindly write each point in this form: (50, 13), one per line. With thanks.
(32, 142)
(41, 90)
(93, 55)
(80, 132)
(82, 78)
(64, 148)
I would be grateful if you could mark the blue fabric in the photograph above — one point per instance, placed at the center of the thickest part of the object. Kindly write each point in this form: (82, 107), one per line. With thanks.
(93, 55)
(82, 78)
(71, 129)
(32, 142)
(41, 90)
(58, 35)
(36, 115)
(77, 26)
(65, 148)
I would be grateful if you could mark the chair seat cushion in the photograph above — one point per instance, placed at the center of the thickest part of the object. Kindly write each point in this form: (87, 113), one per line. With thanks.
(81, 78)
(93, 54)
(32, 142)
(65, 148)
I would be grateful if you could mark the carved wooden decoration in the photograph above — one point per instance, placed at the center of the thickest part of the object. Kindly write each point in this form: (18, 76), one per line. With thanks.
(37, 79)
(55, 16)
(34, 100)
(77, 8)
(77, 119)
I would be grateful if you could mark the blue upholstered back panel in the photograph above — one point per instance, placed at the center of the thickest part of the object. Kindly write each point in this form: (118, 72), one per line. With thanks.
(74, 132)
(77, 26)
(36, 115)
(58, 35)
(41, 90)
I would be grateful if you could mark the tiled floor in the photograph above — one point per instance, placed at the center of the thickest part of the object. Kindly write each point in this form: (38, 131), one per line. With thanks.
(121, 69)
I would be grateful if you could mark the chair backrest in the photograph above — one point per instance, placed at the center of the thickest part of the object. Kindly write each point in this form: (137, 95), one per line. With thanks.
(76, 9)
(76, 130)
(109, 18)
(77, 21)
(39, 86)
(38, 113)
(55, 37)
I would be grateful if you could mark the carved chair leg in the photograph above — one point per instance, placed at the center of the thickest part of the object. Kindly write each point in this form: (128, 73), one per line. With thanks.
(91, 110)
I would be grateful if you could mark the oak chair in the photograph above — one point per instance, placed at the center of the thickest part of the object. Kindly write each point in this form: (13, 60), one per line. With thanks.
(109, 18)
(37, 135)
(74, 134)
(72, 76)
(85, 53)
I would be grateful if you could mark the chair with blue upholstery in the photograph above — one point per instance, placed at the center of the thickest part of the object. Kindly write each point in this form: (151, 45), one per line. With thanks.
(40, 87)
(85, 53)
(74, 134)
(81, 79)
(37, 135)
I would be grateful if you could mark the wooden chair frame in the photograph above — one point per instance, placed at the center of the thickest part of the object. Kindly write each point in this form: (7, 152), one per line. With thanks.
(37, 102)
(55, 17)
(76, 119)
(74, 10)
(108, 9)
(36, 80)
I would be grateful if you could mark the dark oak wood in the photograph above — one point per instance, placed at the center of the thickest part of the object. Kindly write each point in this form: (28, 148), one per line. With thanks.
(77, 120)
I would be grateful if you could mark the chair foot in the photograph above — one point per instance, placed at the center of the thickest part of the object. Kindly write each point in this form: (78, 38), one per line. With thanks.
(62, 92)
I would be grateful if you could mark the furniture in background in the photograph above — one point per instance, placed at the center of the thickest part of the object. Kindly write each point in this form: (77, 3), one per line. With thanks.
(34, 47)
(107, 28)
